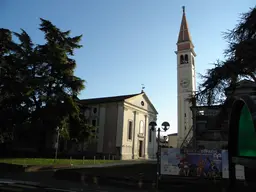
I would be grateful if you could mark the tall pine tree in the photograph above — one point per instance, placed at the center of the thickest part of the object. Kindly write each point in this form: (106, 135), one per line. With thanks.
(38, 87)
(54, 98)
(239, 63)
(13, 111)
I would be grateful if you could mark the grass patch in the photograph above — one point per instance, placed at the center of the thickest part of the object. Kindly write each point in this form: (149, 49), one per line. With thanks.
(42, 161)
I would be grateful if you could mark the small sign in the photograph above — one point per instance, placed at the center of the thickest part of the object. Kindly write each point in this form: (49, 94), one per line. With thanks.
(56, 145)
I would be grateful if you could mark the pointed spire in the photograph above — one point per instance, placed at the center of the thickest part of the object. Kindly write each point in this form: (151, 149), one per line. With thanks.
(184, 34)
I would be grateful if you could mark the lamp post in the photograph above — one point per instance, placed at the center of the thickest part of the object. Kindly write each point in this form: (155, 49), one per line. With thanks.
(57, 143)
(153, 128)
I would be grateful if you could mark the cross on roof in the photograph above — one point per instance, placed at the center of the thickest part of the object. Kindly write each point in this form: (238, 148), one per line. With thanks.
(142, 88)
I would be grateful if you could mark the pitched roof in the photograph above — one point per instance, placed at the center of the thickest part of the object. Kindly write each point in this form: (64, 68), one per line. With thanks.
(107, 99)
(184, 34)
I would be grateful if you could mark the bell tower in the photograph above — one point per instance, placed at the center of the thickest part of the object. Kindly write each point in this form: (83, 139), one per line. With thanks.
(185, 78)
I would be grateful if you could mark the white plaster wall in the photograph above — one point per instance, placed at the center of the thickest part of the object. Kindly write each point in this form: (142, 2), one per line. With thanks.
(146, 133)
(184, 71)
(152, 146)
(193, 72)
(102, 115)
(136, 141)
(172, 141)
(140, 117)
(184, 107)
(136, 101)
(119, 131)
(127, 145)
(180, 119)
(126, 148)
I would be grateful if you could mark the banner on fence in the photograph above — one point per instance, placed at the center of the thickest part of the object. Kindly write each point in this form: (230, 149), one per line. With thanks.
(200, 163)
(203, 163)
(169, 161)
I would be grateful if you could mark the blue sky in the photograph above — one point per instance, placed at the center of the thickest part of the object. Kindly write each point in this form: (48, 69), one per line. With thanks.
(131, 42)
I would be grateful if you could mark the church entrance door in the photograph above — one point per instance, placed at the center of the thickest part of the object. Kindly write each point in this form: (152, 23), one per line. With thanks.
(140, 148)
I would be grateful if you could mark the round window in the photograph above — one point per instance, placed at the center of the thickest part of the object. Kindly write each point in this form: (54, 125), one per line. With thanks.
(142, 103)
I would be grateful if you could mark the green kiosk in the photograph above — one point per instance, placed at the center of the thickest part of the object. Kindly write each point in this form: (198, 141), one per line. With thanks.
(242, 139)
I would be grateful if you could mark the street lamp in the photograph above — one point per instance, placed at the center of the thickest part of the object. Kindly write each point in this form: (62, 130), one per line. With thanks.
(57, 143)
(153, 128)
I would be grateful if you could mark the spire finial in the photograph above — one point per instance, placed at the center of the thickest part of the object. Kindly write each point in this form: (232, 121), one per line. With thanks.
(183, 9)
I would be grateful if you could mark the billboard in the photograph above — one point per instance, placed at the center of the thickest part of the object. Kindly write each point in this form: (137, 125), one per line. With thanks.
(197, 163)
(169, 161)
(203, 163)
(200, 163)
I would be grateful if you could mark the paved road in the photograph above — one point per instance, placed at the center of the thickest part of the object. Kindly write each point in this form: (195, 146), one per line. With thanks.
(45, 178)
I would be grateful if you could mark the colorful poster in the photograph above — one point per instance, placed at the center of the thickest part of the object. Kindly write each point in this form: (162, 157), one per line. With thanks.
(169, 161)
(203, 163)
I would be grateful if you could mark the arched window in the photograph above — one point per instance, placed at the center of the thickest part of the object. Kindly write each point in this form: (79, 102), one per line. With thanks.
(186, 58)
(181, 59)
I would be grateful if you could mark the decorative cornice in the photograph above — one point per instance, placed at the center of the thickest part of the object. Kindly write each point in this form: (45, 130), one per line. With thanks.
(138, 109)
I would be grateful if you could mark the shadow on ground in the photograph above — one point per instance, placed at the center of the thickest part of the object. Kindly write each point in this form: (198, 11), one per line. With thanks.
(132, 177)
(139, 176)
(5, 167)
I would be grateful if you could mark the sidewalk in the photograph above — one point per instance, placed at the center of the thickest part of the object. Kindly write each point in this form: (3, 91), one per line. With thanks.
(134, 175)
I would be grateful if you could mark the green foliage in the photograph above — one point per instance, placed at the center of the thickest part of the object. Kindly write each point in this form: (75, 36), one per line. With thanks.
(239, 63)
(81, 130)
(37, 82)
(51, 162)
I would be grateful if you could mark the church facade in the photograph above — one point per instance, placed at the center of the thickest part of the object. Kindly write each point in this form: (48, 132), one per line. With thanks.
(186, 79)
(122, 125)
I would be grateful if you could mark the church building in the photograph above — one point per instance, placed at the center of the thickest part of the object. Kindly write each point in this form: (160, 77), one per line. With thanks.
(122, 125)
(186, 79)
